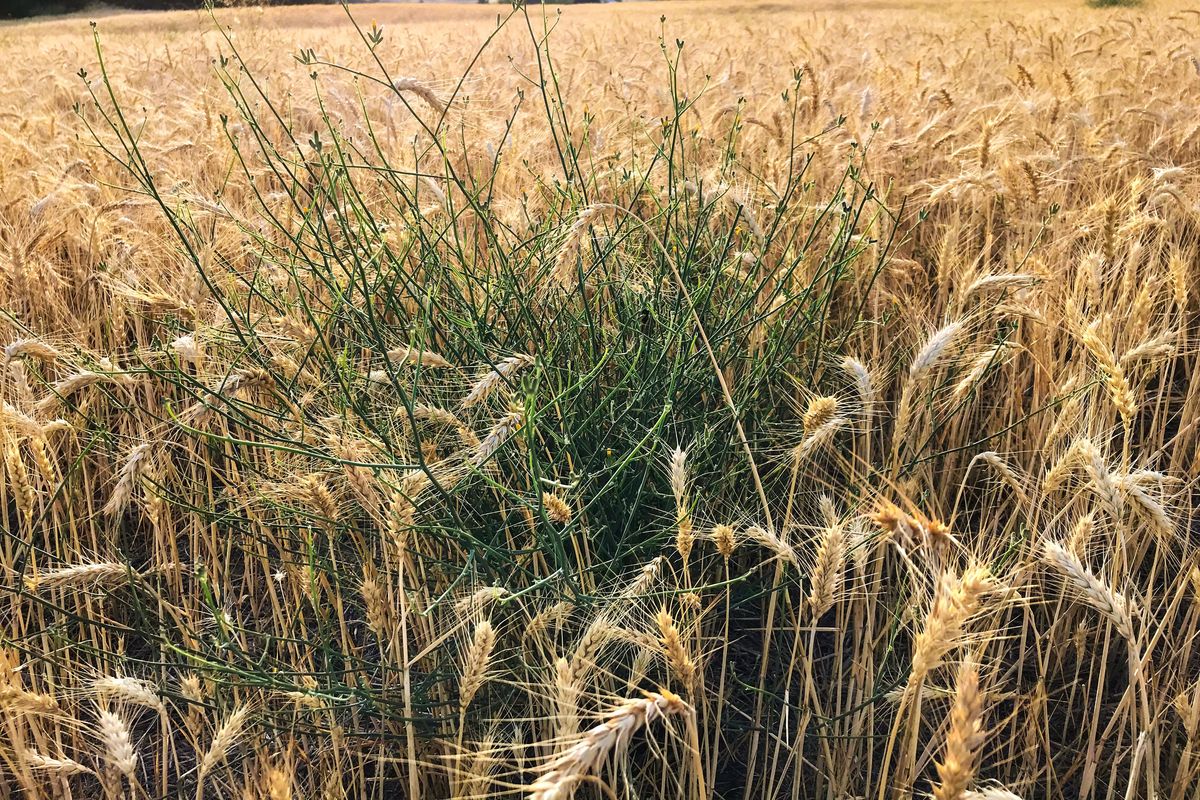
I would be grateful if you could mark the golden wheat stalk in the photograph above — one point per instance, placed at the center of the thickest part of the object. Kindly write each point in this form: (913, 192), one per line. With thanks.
(557, 509)
(1094, 591)
(685, 532)
(408, 354)
(128, 690)
(932, 351)
(75, 383)
(724, 538)
(956, 769)
(864, 386)
(500, 375)
(826, 578)
(956, 601)
(131, 471)
(421, 90)
(117, 742)
(563, 273)
(79, 575)
(609, 739)
(1115, 379)
(224, 741)
(33, 348)
(500, 433)
(476, 663)
(992, 357)
(673, 648)
(62, 766)
(774, 543)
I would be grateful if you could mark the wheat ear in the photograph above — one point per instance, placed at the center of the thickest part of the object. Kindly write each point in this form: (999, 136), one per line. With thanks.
(956, 601)
(608, 739)
(964, 737)
(223, 742)
(827, 572)
(1095, 592)
(421, 90)
(476, 662)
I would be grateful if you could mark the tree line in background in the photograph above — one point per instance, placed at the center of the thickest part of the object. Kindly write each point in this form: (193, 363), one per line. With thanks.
(30, 8)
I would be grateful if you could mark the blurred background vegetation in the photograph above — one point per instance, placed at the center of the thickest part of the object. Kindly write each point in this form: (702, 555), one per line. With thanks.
(10, 9)
(29, 8)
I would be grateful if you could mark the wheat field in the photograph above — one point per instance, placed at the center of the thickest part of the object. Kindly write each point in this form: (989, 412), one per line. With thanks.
(678, 400)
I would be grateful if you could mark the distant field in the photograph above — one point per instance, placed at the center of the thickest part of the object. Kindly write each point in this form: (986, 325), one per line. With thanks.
(656, 400)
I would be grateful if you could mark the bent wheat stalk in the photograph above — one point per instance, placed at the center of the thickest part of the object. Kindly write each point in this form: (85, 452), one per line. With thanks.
(610, 738)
